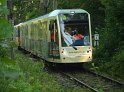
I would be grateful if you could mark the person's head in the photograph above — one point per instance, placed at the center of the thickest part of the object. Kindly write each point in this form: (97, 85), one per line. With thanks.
(72, 32)
(75, 32)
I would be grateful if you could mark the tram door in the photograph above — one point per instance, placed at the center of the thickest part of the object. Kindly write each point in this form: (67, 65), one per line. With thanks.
(54, 40)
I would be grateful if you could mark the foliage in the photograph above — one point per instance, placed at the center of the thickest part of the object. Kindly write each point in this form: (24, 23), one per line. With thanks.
(25, 76)
(7, 71)
(114, 26)
(68, 4)
(32, 77)
(111, 39)
(96, 10)
(118, 68)
(3, 9)
(27, 9)
(115, 66)
(5, 28)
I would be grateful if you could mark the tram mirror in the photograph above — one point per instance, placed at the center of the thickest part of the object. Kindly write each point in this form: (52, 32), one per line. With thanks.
(51, 25)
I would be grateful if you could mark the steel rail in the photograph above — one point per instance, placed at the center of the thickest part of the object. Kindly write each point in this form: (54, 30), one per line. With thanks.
(80, 82)
(110, 79)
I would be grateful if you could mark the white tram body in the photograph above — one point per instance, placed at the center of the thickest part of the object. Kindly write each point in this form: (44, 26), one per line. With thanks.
(51, 36)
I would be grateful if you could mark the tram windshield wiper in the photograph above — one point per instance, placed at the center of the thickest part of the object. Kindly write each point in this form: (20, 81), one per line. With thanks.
(74, 47)
(71, 44)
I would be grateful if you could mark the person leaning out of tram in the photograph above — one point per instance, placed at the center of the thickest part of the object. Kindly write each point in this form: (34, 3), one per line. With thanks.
(77, 36)
(78, 39)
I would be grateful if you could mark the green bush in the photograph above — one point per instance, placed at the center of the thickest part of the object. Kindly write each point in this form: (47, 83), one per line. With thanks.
(117, 64)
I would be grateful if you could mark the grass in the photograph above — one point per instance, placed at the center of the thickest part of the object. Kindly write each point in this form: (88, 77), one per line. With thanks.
(32, 76)
(23, 74)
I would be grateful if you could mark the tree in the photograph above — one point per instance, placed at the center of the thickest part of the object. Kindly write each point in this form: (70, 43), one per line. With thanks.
(27, 9)
(5, 27)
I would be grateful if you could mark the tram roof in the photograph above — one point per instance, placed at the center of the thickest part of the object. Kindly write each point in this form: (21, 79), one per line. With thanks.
(55, 13)
(59, 11)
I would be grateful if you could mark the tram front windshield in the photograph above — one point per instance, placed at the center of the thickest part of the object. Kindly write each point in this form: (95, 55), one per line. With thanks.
(74, 29)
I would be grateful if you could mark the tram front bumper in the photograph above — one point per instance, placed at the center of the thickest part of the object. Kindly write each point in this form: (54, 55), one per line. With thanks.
(76, 59)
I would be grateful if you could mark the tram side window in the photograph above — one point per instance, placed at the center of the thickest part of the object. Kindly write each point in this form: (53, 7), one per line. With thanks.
(22, 31)
(25, 30)
(40, 30)
(54, 32)
(35, 32)
(54, 39)
(51, 28)
(32, 30)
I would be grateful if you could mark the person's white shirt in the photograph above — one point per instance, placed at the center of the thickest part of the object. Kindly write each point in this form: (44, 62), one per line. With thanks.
(67, 36)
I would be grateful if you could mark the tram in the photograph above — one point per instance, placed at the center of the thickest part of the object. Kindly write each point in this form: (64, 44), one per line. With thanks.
(51, 36)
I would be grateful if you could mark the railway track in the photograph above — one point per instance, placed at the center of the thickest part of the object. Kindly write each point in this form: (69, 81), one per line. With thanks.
(95, 82)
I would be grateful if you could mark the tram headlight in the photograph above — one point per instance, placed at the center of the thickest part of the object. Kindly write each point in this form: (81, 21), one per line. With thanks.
(88, 51)
(64, 52)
